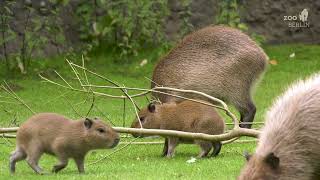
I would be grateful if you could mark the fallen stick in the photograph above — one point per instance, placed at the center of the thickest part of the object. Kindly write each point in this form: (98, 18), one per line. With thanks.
(236, 132)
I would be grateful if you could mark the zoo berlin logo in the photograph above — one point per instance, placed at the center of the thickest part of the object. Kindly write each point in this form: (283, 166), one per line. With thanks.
(295, 23)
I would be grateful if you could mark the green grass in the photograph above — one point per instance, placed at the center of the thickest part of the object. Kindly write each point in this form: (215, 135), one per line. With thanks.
(142, 161)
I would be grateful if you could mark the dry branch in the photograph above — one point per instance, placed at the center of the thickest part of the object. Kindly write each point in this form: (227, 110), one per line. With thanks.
(228, 136)
(187, 135)
(8, 90)
(7, 135)
(9, 130)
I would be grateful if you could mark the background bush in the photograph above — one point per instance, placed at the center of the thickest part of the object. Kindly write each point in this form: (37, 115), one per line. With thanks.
(119, 27)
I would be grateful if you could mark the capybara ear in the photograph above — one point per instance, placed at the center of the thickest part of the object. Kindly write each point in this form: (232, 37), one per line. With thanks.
(88, 123)
(247, 155)
(152, 108)
(272, 160)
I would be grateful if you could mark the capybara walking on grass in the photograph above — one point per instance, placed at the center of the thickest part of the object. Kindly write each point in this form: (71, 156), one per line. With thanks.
(220, 61)
(59, 136)
(185, 116)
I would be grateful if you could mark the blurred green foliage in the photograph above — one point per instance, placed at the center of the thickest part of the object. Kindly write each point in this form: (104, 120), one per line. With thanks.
(125, 26)
(118, 27)
(229, 14)
(39, 27)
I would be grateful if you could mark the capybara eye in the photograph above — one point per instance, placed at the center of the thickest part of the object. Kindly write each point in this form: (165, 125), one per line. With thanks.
(101, 130)
(142, 119)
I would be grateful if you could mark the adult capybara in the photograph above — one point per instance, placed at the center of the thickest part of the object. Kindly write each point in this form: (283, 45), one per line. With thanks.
(59, 136)
(289, 145)
(185, 116)
(217, 60)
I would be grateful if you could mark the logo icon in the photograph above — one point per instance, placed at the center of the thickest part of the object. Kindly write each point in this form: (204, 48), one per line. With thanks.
(299, 20)
(303, 15)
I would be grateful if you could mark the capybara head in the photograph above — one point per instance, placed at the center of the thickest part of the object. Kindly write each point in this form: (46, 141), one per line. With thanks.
(261, 167)
(100, 135)
(149, 118)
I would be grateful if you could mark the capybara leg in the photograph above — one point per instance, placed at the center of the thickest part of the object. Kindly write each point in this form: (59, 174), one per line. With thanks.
(80, 164)
(247, 114)
(63, 162)
(16, 156)
(172, 144)
(216, 148)
(205, 148)
(165, 147)
(33, 160)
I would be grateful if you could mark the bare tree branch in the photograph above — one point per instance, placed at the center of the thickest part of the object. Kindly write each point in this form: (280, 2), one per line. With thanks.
(15, 96)
(227, 136)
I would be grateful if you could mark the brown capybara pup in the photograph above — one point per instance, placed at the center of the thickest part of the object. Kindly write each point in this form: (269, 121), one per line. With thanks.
(217, 60)
(59, 136)
(185, 116)
(289, 144)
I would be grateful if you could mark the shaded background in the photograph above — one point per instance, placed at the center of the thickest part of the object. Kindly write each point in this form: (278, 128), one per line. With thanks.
(265, 18)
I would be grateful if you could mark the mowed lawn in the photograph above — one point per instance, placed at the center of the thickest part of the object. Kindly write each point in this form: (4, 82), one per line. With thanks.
(139, 161)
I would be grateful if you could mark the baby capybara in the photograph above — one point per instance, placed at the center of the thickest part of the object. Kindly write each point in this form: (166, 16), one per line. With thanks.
(57, 135)
(289, 144)
(217, 60)
(185, 116)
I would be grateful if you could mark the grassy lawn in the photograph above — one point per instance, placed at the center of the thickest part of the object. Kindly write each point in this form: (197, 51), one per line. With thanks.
(141, 161)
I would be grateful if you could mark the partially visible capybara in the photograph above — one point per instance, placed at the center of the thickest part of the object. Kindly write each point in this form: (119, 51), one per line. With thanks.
(59, 136)
(217, 60)
(186, 116)
(289, 144)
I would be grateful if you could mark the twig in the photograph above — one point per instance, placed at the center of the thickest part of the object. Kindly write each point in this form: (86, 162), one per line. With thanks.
(9, 143)
(8, 102)
(186, 135)
(124, 90)
(124, 113)
(15, 96)
(108, 155)
(98, 109)
(228, 136)
(92, 104)
(63, 79)
(9, 130)
(90, 89)
(57, 97)
(8, 135)
(72, 107)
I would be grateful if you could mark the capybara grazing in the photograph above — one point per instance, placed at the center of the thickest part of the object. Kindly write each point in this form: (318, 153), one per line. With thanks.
(289, 144)
(57, 135)
(185, 116)
(220, 61)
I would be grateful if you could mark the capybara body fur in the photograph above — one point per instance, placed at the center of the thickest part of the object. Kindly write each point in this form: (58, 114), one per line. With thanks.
(185, 116)
(220, 61)
(57, 135)
(289, 144)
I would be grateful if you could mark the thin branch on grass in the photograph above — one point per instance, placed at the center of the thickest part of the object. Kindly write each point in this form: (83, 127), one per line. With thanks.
(8, 135)
(15, 96)
(73, 108)
(62, 79)
(180, 134)
(55, 98)
(8, 102)
(124, 113)
(124, 90)
(103, 114)
(116, 151)
(5, 138)
(235, 132)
